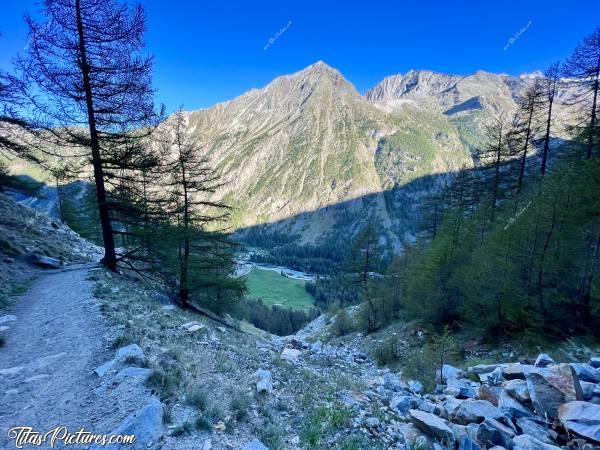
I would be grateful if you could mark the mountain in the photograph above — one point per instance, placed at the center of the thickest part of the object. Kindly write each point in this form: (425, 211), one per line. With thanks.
(449, 94)
(309, 155)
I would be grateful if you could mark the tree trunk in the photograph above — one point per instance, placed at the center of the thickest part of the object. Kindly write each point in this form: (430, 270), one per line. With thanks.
(593, 121)
(110, 257)
(547, 136)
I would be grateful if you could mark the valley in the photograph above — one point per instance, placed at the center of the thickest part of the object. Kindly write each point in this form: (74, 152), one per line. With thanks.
(411, 262)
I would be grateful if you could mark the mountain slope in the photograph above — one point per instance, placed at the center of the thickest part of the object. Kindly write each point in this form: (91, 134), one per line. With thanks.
(309, 141)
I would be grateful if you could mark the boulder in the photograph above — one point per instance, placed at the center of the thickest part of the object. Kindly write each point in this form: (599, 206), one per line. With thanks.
(490, 393)
(538, 428)
(511, 407)
(265, 381)
(254, 444)
(491, 432)
(512, 371)
(44, 261)
(197, 328)
(595, 362)
(477, 411)
(552, 386)
(432, 425)
(102, 370)
(450, 372)
(582, 419)
(587, 390)
(482, 368)
(462, 388)
(145, 425)
(517, 389)
(187, 325)
(291, 355)
(132, 351)
(543, 360)
(415, 386)
(403, 403)
(392, 382)
(586, 372)
(526, 442)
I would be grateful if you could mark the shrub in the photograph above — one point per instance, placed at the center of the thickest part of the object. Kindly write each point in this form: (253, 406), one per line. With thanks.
(198, 398)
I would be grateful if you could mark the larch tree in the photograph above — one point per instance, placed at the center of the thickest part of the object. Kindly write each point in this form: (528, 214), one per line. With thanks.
(191, 183)
(550, 87)
(583, 66)
(89, 89)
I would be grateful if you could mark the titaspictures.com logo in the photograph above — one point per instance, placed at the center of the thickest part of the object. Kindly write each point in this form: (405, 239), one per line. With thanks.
(25, 435)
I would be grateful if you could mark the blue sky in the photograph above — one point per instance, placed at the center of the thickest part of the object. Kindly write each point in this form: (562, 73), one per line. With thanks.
(211, 51)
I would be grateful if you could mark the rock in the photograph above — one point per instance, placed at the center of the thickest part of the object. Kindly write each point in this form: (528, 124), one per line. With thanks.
(543, 360)
(207, 445)
(512, 371)
(582, 419)
(491, 432)
(169, 308)
(586, 372)
(219, 427)
(132, 351)
(587, 390)
(221, 329)
(196, 328)
(595, 362)
(526, 442)
(254, 444)
(295, 440)
(44, 261)
(372, 422)
(450, 372)
(145, 424)
(392, 382)
(482, 368)
(495, 377)
(451, 404)
(511, 407)
(7, 318)
(403, 403)
(517, 389)
(316, 347)
(4, 328)
(102, 370)
(537, 428)
(187, 325)
(133, 372)
(415, 386)
(477, 411)
(431, 425)
(461, 388)
(11, 371)
(35, 378)
(466, 443)
(552, 386)
(490, 393)
(265, 381)
(291, 355)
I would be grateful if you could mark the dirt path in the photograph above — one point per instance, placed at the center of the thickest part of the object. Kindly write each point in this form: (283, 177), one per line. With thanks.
(46, 366)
